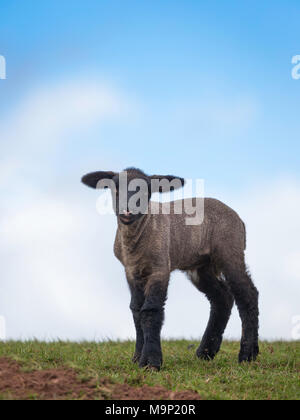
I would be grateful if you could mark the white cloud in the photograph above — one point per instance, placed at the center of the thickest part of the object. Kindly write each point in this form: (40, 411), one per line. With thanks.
(47, 113)
(272, 216)
(57, 266)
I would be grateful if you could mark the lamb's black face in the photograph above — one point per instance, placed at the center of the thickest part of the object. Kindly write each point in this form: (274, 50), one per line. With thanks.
(131, 195)
(131, 190)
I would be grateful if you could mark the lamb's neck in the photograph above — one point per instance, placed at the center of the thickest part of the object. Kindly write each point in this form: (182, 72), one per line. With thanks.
(132, 234)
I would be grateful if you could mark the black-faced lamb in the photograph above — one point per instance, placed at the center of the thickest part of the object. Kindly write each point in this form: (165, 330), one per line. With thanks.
(152, 245)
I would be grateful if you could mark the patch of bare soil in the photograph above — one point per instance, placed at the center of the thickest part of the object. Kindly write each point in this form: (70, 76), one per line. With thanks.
(145, 392)
(63, 383)
(43, 384)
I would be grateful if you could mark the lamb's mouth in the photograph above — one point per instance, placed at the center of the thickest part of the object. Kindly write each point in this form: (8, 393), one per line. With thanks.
(127, 220)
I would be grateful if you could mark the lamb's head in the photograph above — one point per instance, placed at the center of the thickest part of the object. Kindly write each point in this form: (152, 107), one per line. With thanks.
(131, 190)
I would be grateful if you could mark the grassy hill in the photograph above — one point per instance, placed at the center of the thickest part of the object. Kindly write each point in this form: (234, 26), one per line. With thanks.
(100, 369)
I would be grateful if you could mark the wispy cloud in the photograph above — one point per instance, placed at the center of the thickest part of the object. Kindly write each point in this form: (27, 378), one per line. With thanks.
(46, 114)
(48, 118)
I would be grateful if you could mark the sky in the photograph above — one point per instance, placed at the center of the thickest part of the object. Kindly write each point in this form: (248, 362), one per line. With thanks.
(197, 89)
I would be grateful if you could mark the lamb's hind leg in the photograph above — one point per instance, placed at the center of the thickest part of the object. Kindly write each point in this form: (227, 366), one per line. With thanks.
(221, 301)
(246, 297)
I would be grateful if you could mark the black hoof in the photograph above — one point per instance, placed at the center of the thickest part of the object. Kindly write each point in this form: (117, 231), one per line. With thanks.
(150, 362)
(205, 354)
(152, 368)
(208, 350)
(249, 354)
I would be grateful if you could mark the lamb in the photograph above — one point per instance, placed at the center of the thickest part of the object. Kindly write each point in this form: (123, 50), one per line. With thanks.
(151, 246)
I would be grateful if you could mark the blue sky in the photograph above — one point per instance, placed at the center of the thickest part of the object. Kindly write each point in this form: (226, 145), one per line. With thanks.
(172, 56)
(200, 89)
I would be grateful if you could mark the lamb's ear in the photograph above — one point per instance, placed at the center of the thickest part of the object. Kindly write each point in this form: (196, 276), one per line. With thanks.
(93, 179)
(166, 183)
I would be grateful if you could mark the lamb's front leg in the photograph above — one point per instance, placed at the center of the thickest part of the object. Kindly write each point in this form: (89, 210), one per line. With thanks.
(152, 317)
(137, 301)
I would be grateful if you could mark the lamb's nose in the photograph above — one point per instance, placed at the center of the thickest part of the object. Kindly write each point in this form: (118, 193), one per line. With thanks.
(127, 213)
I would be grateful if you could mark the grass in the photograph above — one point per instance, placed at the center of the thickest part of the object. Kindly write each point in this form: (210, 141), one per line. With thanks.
(275, 376)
